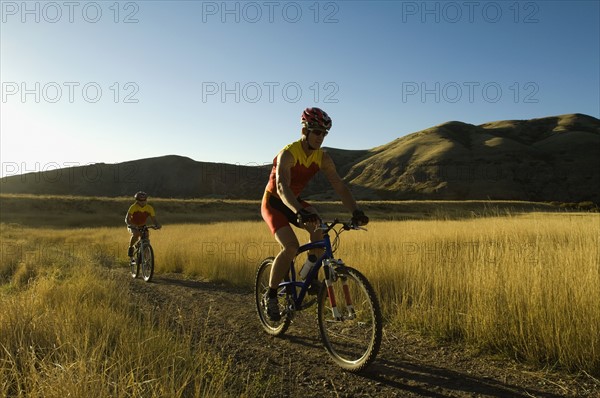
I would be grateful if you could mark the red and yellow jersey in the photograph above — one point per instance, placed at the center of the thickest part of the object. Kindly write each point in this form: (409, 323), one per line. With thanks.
(305, 167)
(139, 214)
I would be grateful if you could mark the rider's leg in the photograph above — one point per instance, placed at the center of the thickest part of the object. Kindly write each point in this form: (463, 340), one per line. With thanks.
(287, 239)
(315, 234)
(135, 236)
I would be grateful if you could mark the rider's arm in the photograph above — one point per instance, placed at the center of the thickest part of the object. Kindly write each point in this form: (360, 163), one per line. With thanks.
(285, 162)
(128, 217)
(328, 168)
(155, 221)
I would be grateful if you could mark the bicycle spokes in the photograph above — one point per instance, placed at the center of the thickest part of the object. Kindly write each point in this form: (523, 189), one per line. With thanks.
(348, 311)
(260, 289)
(351, 314)
(147, 262)
(351, 325)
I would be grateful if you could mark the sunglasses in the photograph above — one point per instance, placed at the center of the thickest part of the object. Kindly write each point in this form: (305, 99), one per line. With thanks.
(318, 133)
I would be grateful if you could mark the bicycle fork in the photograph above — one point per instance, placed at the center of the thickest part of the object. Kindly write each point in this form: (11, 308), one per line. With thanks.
(139, 253)
(331, 276)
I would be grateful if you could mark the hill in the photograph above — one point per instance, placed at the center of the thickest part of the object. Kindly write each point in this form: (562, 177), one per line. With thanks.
(548, 159)
(167, 176)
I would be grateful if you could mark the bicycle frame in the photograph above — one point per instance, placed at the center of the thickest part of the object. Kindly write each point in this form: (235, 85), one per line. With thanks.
(144, 236)
(350, 327)
(325, 259)
(143, 241)
(143, 255)
(140, 247)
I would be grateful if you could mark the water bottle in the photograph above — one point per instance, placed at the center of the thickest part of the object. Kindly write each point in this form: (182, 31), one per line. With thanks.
(310, 262)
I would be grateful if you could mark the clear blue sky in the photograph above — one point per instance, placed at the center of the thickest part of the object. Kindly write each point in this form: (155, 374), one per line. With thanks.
(108, 81)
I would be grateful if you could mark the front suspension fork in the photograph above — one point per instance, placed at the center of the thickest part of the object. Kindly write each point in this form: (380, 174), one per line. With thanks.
(331, 276)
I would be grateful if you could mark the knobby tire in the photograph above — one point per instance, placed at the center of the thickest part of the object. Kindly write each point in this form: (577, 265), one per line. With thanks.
(261, 286)
(147, 263)
(353, 343)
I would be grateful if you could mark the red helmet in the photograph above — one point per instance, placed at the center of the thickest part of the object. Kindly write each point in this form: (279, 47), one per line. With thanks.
(140, 195)
(316, 118)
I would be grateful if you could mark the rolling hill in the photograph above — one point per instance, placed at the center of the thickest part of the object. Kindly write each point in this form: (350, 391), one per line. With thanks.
(548, 159)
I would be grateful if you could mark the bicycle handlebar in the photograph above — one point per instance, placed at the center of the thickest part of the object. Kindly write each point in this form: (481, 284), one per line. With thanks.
(141, 228)
(347, 225)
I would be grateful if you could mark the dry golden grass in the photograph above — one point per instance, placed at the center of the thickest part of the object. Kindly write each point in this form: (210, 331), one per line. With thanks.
(525, 285)
(71, 328)
(225, 251)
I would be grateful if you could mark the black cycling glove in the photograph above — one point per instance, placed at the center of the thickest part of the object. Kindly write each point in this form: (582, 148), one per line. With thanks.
(304, 216)
(359, 218)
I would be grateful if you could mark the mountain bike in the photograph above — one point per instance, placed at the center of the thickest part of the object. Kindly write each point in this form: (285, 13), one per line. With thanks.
(348, 312)
(143, 254)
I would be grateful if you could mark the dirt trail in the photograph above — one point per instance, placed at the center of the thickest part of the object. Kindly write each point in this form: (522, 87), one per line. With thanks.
(407, 366)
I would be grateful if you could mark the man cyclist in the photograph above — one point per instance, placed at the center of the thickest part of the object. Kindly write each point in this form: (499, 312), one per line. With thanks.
(293, 168)
(136, 216)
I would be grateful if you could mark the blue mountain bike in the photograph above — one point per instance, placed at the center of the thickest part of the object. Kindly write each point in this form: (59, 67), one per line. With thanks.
(143, 255)
(348, 311)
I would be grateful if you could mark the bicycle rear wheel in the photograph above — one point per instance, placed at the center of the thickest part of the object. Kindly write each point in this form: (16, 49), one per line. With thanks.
(147, 262)
(261, 288)
(351, 329)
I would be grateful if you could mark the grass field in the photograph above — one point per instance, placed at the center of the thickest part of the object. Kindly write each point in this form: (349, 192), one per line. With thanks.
(71, 328)
(520, 283)
(527, 286)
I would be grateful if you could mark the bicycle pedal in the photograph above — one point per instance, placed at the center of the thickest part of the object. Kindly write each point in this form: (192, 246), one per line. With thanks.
(308, 304)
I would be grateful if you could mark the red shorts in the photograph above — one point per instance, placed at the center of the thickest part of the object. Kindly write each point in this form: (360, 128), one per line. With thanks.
(276, 214)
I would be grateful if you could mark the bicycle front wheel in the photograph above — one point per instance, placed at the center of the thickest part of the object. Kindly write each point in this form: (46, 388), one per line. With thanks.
(350, 320)
(147, 262)
(261, 287)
